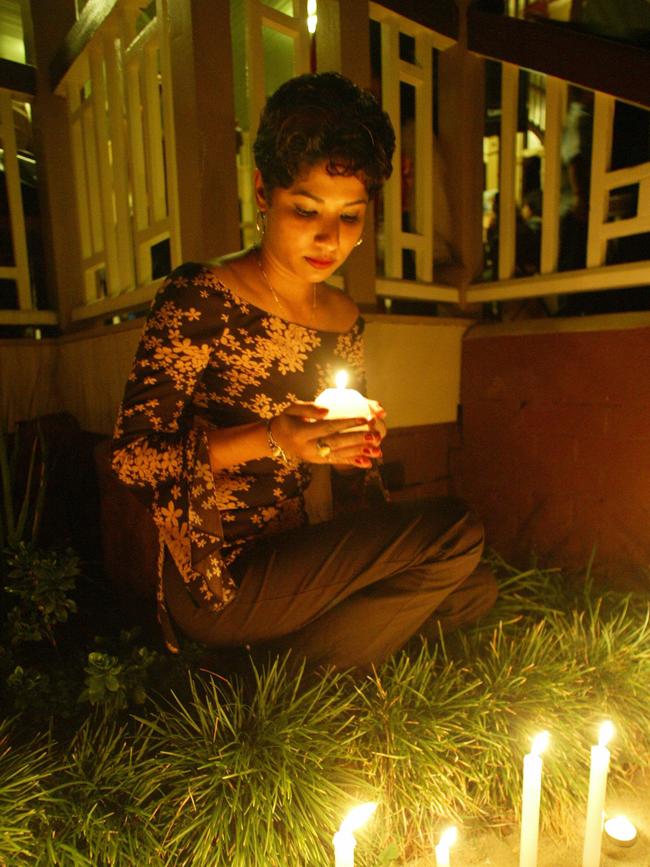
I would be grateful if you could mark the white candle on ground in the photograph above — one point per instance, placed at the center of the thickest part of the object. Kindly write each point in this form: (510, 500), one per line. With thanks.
(620, 831)
(343, 402)
(532, 790)
(596, 800)
(447, 840)
(344, 840)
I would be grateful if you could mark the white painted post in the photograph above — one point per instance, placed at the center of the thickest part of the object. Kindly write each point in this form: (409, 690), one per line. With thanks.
(555, 109)
(392, 228)
(507, 167)
(118, 167)
(15, 200)
(102, 145)
(601, 154)
(424, 202)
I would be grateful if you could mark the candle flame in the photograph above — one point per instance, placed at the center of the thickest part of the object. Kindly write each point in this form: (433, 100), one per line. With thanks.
(341, 379)
(540, 743)
(357, 817)
(606, 733)
(449, 837)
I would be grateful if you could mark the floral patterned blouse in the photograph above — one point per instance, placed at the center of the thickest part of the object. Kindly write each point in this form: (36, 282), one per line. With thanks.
(207, 354)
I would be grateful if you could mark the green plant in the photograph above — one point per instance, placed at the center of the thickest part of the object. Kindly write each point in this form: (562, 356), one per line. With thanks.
(38, 693)
(94, 816)
(38, 586)
(24, 774)
(21, 510)
(254, 773)
(117, 681)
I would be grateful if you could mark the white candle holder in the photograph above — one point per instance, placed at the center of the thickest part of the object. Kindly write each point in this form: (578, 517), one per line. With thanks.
(619, 831)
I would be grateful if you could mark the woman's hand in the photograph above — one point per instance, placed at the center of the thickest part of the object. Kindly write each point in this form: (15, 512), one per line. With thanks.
(377, 422)
(303, 431)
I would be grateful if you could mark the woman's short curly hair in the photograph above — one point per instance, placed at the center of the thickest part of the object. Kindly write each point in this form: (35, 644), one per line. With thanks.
(323, 117)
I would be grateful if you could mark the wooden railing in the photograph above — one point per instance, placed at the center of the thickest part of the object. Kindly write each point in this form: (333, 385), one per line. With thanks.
(604, 223)
(260, 22)
(19, 271)
(15, 123)
(546, 105)
(119, 107)
(117, 83)
(417, 73)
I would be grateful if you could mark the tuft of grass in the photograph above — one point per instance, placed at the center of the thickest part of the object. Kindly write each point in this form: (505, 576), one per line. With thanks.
(93, 816)
(417, 720)
(24, 774)
(252, 773)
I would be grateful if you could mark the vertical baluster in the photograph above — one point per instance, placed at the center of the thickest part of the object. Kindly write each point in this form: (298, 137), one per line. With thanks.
(297, 29)
(507, 168)
(643, 202)
(79, 167)
(136, 154)
(153, 134)
(171, 178)
(393, 188)
(601, 153)
(555, 108)
(15, 199)
(118, 167)
(106, 191)
(424, 203)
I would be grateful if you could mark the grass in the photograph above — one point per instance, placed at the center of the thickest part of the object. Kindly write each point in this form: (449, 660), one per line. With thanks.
(259, 769)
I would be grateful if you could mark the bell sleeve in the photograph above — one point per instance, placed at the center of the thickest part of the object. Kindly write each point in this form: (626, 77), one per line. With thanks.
(159, 452)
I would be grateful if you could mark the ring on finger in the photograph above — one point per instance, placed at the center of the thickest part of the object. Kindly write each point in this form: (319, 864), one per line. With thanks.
(323, 448)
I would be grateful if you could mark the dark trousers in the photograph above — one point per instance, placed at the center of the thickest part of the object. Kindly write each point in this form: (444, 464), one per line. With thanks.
(351, 591)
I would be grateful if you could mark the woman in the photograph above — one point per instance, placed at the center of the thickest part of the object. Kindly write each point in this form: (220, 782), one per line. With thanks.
(218, 427)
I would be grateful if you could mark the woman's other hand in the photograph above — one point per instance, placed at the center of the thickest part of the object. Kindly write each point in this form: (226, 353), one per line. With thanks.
(378, 423)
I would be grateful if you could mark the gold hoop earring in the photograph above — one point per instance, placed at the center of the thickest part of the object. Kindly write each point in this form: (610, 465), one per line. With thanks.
(260, 223)
(359, 242)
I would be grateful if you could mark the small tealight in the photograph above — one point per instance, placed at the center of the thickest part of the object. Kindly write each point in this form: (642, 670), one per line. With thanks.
(620, 831)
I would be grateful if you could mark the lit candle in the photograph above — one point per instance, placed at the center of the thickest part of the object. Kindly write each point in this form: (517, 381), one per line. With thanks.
(344, 402)
(532, 790)
(620, 831)
(344, 841)
(596, 801)
(447, 840)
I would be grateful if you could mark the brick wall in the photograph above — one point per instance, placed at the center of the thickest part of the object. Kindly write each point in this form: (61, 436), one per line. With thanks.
(555, 446)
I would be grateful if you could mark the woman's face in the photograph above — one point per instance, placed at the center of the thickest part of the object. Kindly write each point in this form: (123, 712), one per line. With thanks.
(312, 226)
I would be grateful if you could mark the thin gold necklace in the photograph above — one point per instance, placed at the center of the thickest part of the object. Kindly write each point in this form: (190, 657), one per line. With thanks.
(281, 305)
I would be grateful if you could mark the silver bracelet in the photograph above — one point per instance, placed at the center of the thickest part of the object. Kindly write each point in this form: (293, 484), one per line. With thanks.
(277, 451)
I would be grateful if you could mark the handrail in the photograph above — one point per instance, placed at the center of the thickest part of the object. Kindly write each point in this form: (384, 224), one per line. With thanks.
(622, 275)
(552, 47)
(93, 15)
(441, 16)
(19, 78)
(123, 153)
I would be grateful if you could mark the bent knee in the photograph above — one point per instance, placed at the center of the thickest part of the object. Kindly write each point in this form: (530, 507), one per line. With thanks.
(450, 511)
(486, 588)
